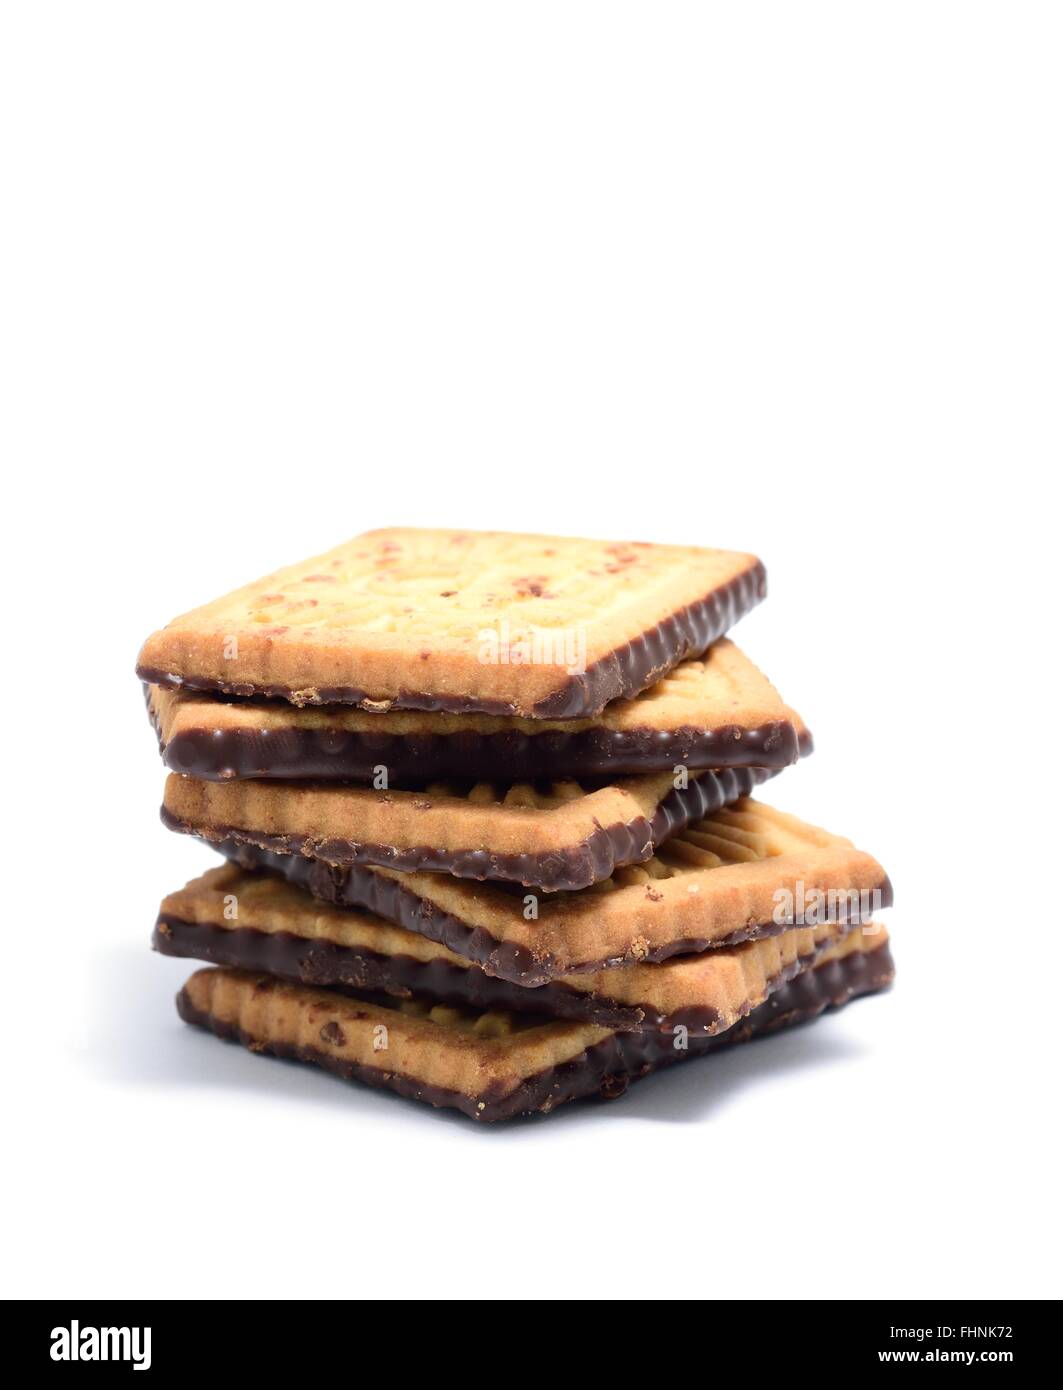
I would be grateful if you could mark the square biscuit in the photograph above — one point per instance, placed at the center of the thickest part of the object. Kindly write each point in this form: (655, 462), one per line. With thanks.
(462, 621)
(256, 921)
(554, 836)
(735, 875)
(492, 1065)
(713, 711)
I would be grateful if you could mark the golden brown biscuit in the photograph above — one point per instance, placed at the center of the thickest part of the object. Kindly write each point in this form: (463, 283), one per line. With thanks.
(259, 922)
(738, 874)
(542, 627)
(562, 835)
(710, 712)
(493, 1066)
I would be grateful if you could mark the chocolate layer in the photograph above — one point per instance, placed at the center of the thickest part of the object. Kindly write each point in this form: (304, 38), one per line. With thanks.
(621, 674)
(568, 867)
(352, 886)
(610, 1066)
(326, 963)
(292, 753)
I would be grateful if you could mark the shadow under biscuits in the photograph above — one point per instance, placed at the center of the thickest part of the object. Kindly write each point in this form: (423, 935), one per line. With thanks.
(687, 1093)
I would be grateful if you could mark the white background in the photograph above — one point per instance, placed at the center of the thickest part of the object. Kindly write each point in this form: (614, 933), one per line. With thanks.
(780, 277)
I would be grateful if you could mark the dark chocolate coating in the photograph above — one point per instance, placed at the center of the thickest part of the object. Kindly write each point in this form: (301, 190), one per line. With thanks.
(327, 964)
(620, 675)
(351, 886)
(606, 849)
(607, 1068)
(329, 755)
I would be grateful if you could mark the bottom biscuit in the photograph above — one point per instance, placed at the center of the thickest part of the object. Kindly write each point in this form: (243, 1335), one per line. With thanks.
(493, 1065)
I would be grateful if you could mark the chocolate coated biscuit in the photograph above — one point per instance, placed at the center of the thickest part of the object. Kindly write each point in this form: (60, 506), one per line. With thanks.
(710, 712)
(492, 1066)
(464, 621)
(259, 922)
(734, 876)
(560, 835)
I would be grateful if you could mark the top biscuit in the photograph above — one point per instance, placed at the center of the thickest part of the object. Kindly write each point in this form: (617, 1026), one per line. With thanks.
(538, 627)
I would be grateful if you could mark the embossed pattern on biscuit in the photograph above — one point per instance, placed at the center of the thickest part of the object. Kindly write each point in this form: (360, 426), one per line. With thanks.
(488, 1064)
(258, 922)
(730, 877)
(555, 835)
(402, 619)
(716, 711)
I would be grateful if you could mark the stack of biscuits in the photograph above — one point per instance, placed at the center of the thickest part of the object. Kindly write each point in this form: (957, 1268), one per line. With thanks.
(486, 809)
